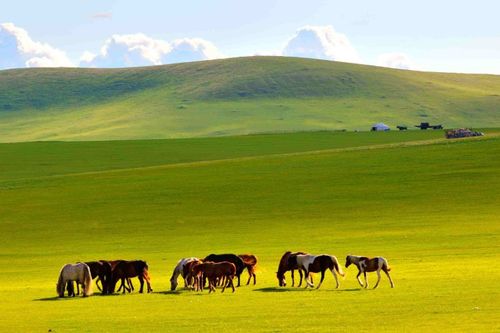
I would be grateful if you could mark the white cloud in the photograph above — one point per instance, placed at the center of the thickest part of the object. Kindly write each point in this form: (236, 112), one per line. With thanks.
(395, 60)
(321, 42)
(17, 49)
(191, 49)
(141, 50)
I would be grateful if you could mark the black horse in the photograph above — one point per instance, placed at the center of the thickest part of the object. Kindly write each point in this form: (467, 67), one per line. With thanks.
(232, 258)
(102, 271)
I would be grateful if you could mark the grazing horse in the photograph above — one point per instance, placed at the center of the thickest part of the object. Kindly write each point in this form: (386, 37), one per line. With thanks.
(250, 262)
(80, 273)
(129, 269)
(102, 271)
(233, 258)
(214, 271)
(179, 270)
(113, 264)
(288, 263)
(365, 264)
(316, 264)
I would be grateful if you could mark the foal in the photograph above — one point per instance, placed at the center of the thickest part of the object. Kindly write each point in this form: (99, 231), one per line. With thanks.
(365, 264)
(213, 271)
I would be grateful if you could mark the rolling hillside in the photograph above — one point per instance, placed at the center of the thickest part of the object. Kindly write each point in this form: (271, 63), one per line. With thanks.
(235, 96)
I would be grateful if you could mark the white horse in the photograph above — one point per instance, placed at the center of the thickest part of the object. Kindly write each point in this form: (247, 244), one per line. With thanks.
(318, 264)
(365, 264)
(179, 270)
(80, 273)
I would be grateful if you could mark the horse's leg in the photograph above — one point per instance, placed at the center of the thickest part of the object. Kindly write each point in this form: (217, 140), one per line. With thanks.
(306, 278)
(293, 280)
(254, 278)
(141, 280)
(239, 279)
(366, 280)
(359, 280)
(124, 285)
(322, 278)
(231, 280)
(97, 283)
(378, 279)
(130, 284)
(249, 275)
(225, 282)
(77, 288)
(336, 278)
(389, 276)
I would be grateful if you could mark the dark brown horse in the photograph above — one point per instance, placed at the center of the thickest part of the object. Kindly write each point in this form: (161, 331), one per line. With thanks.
(213, 272)
(232, 258)
(288, 263)
(129, 269)
(102, 271)
(250, 262)
(318, 264)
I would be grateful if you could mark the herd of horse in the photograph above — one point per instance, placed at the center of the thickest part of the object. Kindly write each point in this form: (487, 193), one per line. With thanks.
(215, 270)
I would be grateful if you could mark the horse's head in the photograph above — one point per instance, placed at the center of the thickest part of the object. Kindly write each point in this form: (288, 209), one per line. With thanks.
(281, 279)
(348, 261)
(173, 284)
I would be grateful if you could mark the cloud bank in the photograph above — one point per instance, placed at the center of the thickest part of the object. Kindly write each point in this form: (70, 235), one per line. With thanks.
(321, 42)
(17, 49)
(395, 60)
(141, 50)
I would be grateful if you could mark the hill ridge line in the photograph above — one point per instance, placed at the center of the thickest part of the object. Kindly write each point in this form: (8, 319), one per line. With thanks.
(415, 143)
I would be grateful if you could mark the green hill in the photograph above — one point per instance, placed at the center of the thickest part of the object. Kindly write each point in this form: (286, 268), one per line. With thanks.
(235, 96)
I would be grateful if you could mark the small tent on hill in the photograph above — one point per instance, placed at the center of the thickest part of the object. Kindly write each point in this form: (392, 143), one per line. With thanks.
(380, 127)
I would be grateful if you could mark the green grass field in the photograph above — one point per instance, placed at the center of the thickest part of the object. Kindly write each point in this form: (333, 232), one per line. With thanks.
(430, 206)
(235, 97)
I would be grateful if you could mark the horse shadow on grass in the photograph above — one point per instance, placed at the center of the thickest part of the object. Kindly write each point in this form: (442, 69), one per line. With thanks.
(300, 289)
(66, 298)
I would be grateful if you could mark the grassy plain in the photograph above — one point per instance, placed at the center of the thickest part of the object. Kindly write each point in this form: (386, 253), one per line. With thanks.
(430, 206)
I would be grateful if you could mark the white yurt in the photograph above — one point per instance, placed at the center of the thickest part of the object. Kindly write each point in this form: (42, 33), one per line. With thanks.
(380, 127)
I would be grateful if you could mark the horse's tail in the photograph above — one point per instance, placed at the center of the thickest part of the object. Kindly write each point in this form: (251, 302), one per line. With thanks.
(60, 284)
(87, 278)
(386, 265)
(337, 266)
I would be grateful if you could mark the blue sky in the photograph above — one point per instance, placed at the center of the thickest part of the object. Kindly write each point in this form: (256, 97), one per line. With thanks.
(427, 35)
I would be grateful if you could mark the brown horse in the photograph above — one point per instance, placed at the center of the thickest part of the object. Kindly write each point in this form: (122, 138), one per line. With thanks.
(288, 263)
(213, 272)
(187, 272)
(250, 262)
(318, 264)
(129, 269)
(365, 264)
(113, 264)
